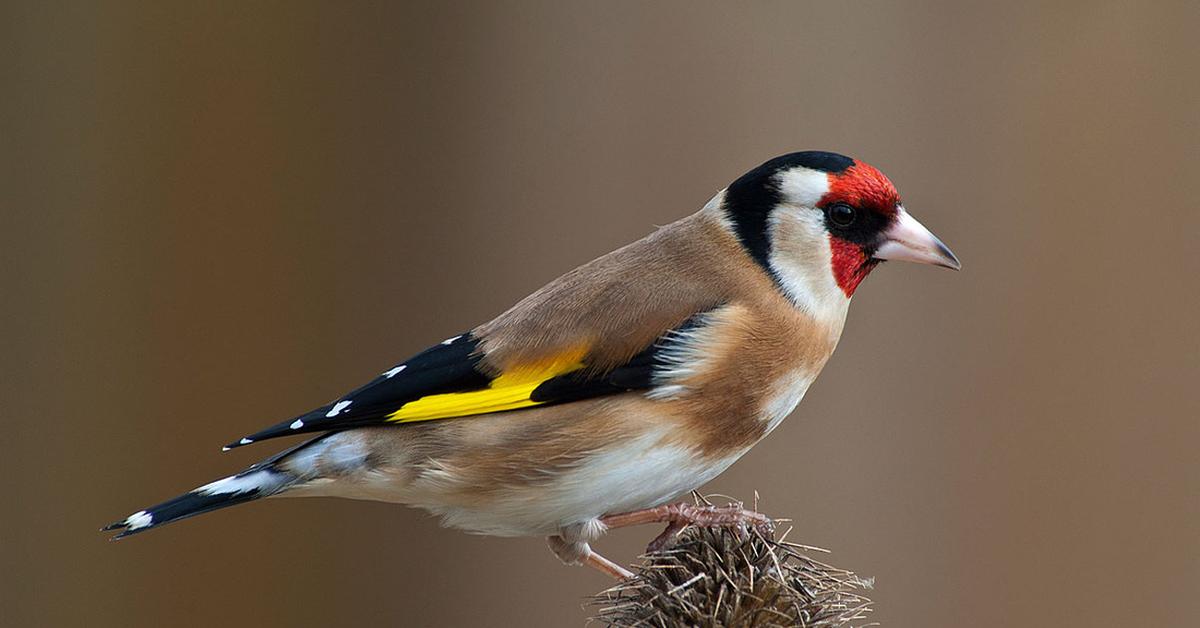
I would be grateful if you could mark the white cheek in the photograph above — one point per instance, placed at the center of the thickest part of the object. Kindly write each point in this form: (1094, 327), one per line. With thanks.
(802, 260)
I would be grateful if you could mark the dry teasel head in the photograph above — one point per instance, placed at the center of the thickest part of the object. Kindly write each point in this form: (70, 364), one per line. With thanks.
(726, 577)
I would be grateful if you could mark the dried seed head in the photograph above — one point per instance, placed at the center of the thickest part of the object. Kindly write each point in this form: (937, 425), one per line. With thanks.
(717, 577)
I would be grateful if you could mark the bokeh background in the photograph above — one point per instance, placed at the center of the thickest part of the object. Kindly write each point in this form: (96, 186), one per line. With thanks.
(217, 215)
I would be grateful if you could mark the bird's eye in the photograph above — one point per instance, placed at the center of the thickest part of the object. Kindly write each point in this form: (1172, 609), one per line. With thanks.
(841, 214)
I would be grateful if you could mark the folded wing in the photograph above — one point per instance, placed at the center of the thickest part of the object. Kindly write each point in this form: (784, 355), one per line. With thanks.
(449, 380)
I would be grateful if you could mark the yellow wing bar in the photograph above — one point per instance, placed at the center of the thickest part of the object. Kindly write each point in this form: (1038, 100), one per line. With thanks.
(509, 391)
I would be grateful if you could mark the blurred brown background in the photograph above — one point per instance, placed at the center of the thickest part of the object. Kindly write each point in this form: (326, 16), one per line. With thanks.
(218, 215)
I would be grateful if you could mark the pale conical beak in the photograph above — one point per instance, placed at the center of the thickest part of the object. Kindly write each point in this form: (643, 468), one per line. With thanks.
(908, 240)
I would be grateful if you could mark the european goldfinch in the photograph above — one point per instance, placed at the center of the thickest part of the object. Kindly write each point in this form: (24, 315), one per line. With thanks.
(616, 388)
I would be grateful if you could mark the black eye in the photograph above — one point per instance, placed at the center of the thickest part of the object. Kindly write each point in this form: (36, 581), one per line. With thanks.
(841, 214)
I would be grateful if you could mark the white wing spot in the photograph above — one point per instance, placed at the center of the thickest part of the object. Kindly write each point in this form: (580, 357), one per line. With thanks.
(260, 480)
(297, 424)
(337, 409)
(244, 441)
(449, 341)
(392, 372)
(139, 519)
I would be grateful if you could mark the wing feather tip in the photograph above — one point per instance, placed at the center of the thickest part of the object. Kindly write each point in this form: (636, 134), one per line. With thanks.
(239, 443)
(127, 532)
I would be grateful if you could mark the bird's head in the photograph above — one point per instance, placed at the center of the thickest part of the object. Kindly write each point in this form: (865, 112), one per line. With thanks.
(819, 223)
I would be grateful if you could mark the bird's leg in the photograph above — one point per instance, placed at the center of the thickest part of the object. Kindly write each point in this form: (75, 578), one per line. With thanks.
(667, 537)
(580, 553)
(681, 515)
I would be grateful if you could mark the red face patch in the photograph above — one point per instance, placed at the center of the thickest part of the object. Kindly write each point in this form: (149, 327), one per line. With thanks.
(866, 189)
(850, 264)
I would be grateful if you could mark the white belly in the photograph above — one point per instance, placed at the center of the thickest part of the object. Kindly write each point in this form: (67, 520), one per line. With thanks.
(640, 473)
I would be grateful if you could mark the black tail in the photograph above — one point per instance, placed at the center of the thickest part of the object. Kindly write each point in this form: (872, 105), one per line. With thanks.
(261, 480)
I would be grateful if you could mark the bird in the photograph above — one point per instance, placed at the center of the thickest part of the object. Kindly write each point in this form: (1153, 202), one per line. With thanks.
(603, 397)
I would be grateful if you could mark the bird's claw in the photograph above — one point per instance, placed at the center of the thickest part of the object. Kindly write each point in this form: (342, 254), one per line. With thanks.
(680, 516)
